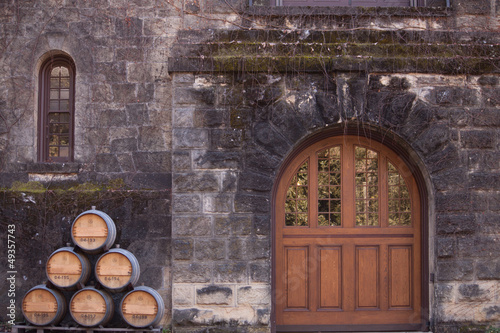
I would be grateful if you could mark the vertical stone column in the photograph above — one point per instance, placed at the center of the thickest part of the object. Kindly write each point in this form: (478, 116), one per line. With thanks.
(220, 261)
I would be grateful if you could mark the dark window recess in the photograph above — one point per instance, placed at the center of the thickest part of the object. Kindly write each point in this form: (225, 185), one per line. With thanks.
(57, 91)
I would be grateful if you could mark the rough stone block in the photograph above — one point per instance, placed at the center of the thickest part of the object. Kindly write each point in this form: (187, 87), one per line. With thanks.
(196, 182)
(214, 295)
(181, 161)
(254, 295)
(191, 273)
(217, 203)
(152, 139)
(211, 249)
(453, 201)
(153, 162)
(480, 139)
(124, 145)
(231, 272)
(484, 292)
(226, 138)
(124, 93)
(443, 292)
(246, 203)
(107, 163)
(456, 224)
(113, 118)
(190, 138)
(183, 117)
(262, 225)
(457, 270)
(128, 27)
(192, 225)
(229, 181)
(186, 203)
(446, 247)
(266, 137)
(255, 182)
(183, 295)
(192, 96)
(137, 114)
(216, 160)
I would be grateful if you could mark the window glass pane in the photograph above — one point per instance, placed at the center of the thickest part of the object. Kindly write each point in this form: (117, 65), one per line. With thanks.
(65, 82)
(296, 205)
(64, 71)
(56, 71)
(64, 94)
(54, 117)
(399, 198)
(54, 105)
(53, 151)
(63, 152)
(64, 105)
(65, 117)
(367, 186)
(329, 186)
(54, 140)
(54, 94)
(64, 140)
(54, 83)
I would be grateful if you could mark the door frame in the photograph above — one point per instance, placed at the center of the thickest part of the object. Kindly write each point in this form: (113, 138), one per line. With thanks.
(395, 143)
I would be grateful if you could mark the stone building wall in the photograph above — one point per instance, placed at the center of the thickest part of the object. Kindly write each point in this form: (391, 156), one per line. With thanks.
(194, 105)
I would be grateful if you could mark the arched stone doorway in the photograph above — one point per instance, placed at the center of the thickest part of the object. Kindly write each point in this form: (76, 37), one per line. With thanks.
(350, 236)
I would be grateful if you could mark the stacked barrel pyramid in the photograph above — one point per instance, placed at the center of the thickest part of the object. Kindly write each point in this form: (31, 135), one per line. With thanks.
(116, 271)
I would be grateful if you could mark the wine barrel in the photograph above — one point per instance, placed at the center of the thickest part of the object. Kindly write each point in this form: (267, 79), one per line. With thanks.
(142, 307)
(91, 307)
(67, 269)
(93, 231)
(117, 269)
(42, 306)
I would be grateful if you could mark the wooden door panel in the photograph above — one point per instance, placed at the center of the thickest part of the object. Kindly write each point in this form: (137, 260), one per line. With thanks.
(297, 278)
(330, 277)
(367, 277)
(400, 277)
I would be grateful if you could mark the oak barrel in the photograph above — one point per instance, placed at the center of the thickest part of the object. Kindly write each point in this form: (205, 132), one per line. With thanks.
(43, 306)
(93, 231)
(117, 269)
(91, 307)
(142, 307)
(67, 269)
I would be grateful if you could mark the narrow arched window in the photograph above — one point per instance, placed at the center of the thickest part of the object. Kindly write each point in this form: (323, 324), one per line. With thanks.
(56, 117)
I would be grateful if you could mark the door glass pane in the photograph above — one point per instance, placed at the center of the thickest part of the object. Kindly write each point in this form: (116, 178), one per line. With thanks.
(367, 187)
(329, 187)
(399, 198)
(296, 204)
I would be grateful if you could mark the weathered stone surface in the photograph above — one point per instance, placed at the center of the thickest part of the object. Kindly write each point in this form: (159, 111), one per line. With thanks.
(456, 224)
(187, 203)
(182, 249)
(196, 182)
(192, 225)
(191, 273)
(214, 294)
(231, 272)
(153, 162)
(216, 160)
(481, 139)
(210, 249)
(456, 270)
(245, 203)
(254, 295)
(190, 138)
(107, 163)
(446, 247)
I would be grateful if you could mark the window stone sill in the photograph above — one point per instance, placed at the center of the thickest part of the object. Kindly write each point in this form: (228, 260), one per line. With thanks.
(53, 168)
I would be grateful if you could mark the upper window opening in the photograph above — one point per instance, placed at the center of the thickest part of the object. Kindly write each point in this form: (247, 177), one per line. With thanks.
(57, 91)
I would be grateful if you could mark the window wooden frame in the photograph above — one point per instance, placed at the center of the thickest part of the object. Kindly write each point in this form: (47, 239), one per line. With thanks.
(44, 112)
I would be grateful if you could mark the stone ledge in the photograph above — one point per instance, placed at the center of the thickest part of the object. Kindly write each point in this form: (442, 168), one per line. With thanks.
(55, 168)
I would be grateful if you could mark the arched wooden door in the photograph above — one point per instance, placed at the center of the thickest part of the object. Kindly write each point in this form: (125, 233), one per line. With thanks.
(348, 241)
